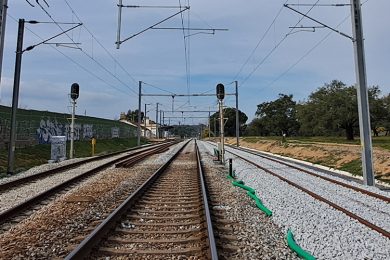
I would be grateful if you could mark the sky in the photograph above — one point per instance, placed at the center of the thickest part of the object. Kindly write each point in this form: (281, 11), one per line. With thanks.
(260, 51)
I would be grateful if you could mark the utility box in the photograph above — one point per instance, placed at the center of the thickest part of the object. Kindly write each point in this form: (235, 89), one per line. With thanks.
(58, 148)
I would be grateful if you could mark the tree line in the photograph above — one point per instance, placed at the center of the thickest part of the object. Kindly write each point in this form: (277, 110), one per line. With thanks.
(331, 110)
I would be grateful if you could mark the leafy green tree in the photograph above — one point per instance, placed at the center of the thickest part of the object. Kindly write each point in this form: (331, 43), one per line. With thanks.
(132, 116)
(329, 108)
(378, 111)
(256, 128)
(278, 117)
(230, 124)
(386, 107)
(187, 131)
(333, 107)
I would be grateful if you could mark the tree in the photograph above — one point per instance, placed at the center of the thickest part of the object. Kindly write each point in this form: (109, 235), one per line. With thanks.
(333, 107)
(256, 128)
(378, 111)
(386, 120)
(230, 124)
(132, 116)
(278, 117)
(329, 108)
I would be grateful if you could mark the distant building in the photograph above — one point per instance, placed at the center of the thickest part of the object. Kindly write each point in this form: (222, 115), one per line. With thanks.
(149, 131)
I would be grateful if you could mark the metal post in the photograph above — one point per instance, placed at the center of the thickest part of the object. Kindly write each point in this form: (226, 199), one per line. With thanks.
(209, 125)
(3, 13)
(139, 114)
(157, 135)
(118, 35)
(237, 117)
(362, 94)
(15, 97)
(72, 129)
(222, 131)
(231, 167)
(215, 127)
(145, 121)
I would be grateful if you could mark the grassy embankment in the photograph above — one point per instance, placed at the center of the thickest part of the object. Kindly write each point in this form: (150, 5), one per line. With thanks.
(353, 166)
(28, 157)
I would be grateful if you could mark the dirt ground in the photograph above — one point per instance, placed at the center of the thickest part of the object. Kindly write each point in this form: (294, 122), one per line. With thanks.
(327, 154)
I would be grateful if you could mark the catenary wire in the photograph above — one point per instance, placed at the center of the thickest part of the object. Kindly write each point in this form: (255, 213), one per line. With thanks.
(88, 55)
(100, 44)
(185, 51)
(70, 59)
(259, 42)
(276, 46)
(310, 50)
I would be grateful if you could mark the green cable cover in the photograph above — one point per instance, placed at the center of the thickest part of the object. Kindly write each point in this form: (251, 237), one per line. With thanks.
(296, 248)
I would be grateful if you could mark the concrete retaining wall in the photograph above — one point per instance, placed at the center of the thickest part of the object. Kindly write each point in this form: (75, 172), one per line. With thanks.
(36, 127)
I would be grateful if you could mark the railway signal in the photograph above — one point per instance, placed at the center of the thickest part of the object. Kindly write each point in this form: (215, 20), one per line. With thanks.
(74, 94)
(221, 96)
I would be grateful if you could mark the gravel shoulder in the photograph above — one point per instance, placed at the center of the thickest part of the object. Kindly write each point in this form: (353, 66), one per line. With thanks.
(319, 229)
(251, 235)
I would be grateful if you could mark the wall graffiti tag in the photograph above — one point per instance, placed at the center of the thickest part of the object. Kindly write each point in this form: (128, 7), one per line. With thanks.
(48, 128)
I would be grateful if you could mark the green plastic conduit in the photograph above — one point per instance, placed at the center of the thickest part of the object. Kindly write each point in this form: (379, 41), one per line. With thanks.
(296, 248)
(236, 183)
(260, 205)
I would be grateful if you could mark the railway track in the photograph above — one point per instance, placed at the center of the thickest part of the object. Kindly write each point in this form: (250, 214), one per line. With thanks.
(376, 213)
(22, 207)
(35, 177)
(166, 217)
(312, 173)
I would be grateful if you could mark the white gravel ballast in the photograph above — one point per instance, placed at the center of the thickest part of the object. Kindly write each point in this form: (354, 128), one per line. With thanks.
(323, 231)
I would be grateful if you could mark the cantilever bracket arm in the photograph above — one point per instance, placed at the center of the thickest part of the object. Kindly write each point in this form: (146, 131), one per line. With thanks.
(29, 48)
(151, 27)
(326, 26)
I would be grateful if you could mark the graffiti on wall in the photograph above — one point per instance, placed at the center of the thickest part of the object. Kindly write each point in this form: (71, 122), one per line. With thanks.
(87, 131)
(114, 132)
(48, 128)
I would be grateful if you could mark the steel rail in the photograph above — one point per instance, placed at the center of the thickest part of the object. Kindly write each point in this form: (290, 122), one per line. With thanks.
(320, 198)
(6, 215)
(366, 192)
(210, 231)
(84, 249)
(21, 181)
(86, 246)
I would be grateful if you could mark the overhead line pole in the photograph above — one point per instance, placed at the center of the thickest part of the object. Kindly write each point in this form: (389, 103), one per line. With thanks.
(361, 87)
(139, 114)
(362, 94)
(3, 13)
(237, 117)
(145, 120)
(15, 97)
(157, 121)
(209, 125)
(118, 35)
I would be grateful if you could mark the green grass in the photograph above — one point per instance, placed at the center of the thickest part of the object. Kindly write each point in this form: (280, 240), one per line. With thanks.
(354, 167)
(381, 141)
(28, 157)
